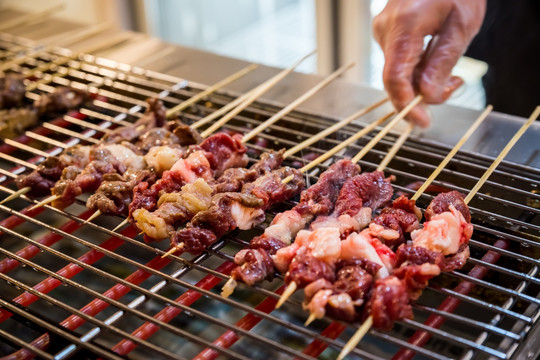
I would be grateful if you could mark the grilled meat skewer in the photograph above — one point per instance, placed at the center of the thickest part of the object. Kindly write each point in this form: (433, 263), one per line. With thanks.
(174, 209)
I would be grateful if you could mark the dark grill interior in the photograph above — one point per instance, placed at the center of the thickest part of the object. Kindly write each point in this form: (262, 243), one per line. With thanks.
(77, 290)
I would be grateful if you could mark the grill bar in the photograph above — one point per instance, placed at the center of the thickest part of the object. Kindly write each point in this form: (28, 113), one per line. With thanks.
(121, 90)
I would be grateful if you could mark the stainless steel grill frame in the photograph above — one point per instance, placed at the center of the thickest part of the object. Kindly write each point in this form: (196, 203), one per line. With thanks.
(128, 284)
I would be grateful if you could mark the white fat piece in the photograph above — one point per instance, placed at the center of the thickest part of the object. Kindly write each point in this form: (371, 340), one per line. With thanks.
(245, 217)
(285, 226)
(193, 161)
(162, 158)
(356, 245)
(127, 157)
(442, 233)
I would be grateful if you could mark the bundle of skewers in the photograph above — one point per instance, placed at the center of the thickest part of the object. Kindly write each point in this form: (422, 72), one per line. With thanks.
(354, 261)
(371, 275)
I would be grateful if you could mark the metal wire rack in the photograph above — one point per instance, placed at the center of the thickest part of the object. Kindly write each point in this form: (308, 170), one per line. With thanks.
(75, 290)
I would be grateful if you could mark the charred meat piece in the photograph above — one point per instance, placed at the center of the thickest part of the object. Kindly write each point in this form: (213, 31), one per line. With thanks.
(153, 117)
(365, 190)
(401, 217)
(320, 198)
(61, 99)
(44, 177)
(157, 137)
(233, 179)
(342, 299)
(186, 134)
(12, 91)
(114, 194)
(224, 151)
(306, 268)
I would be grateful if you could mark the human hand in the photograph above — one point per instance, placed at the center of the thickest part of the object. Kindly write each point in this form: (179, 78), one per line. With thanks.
(410, 69)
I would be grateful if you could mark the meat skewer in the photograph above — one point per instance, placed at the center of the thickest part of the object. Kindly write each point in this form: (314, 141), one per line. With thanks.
(399, 219)
(252, 264)
(353, 199)
(428, 238)
(177, 236)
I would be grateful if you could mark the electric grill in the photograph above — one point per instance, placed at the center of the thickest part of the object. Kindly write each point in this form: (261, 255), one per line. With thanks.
(71, 289)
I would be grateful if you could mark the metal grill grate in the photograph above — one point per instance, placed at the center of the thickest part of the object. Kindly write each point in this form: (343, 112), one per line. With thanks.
(70, 289)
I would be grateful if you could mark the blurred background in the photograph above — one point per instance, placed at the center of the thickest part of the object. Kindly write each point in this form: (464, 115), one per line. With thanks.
(270, 32)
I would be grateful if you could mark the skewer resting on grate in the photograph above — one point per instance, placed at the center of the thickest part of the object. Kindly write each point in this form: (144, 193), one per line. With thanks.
(228, 288)
(356, 338)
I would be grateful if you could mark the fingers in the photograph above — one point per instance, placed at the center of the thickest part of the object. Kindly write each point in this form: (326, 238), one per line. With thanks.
(433, 74)
(409, 69)
(398, 75)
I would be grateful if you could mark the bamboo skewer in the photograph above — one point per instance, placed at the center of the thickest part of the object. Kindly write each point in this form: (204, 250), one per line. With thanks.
(387, 128)
(357, 337)
(46, 201)
(503, 153)
(73, 38)
(395, 148)
(211, 89)
(124, 222)
(297, 102)
(453, 152)
(355, 137)
(346, 143)
(235, 103)
(333, 128)
(16, 194)
(260, 90)
(92, 217)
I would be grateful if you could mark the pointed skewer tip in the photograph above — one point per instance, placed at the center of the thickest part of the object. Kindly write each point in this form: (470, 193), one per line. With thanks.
(173, 250)
(310, 319)
(46, 201)
(92, 217)
(291, 288)
(355, 339)
(16, 194)
(120, 225)
(229, 287)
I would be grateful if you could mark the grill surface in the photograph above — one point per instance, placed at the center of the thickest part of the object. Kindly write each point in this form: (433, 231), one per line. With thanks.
(70, 289)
